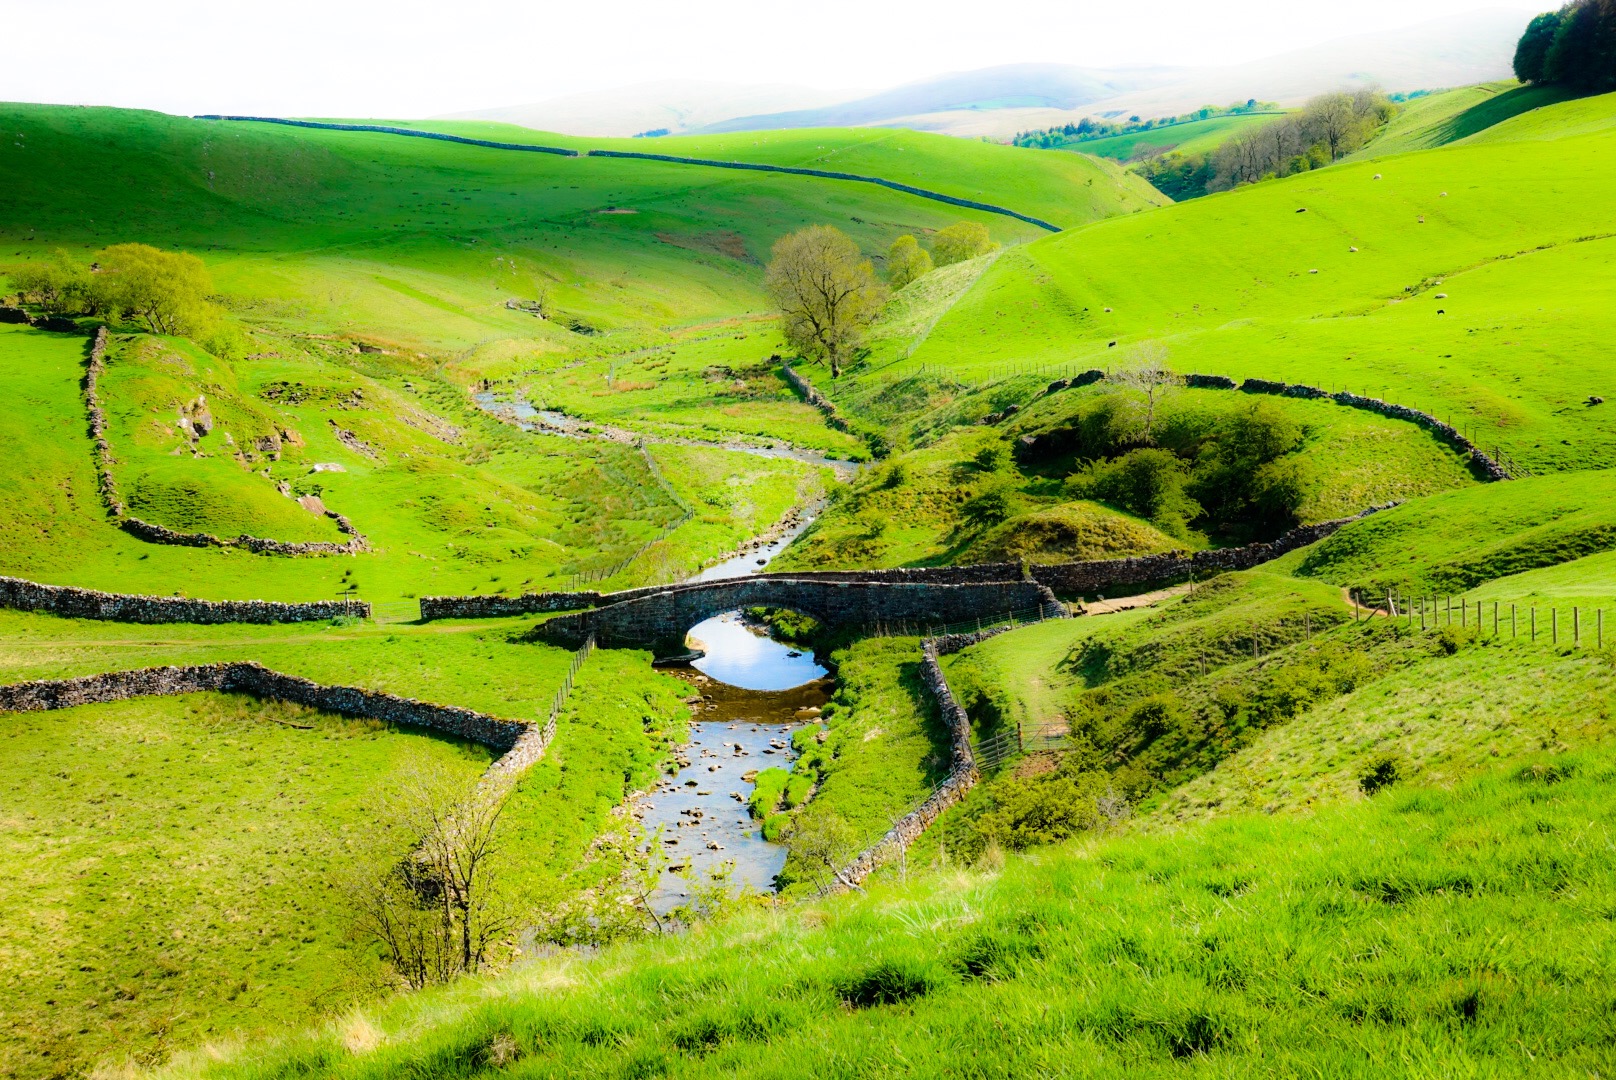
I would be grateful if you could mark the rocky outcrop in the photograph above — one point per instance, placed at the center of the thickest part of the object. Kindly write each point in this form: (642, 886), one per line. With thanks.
(77, 603)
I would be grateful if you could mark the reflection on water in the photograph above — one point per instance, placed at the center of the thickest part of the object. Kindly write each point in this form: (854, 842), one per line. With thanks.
(751, 661)
(701, 810)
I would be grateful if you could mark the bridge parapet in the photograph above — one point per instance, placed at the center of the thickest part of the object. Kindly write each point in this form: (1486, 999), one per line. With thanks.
(660, 620)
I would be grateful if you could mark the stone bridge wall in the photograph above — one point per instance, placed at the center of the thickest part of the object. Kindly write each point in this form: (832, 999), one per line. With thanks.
(75, 603)
(661, 620)
(1073, 578)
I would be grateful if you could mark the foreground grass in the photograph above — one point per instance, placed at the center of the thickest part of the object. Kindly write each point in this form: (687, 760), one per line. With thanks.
(1442, 930)
(171, 861)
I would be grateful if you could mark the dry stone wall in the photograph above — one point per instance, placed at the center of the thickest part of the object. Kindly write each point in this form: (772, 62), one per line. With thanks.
(259, 681)
(962, 773)
(1033, 447)
(77, 603)
(801, 385)
(160, 534)
(1073, 578)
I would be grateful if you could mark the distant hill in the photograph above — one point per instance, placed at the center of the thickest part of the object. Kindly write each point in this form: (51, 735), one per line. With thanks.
(673, 106)
(1011, 87)
(1457, 50)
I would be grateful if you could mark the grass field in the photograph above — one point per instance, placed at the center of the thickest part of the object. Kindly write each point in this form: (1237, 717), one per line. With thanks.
(182, 850)
(1250, 907)
(164, 905)
(420, 243)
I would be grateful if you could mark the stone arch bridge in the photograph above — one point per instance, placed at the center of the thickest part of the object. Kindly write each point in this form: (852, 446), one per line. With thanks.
(660, 619)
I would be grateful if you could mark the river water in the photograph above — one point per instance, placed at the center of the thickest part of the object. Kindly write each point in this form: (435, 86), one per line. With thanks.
(749, 694)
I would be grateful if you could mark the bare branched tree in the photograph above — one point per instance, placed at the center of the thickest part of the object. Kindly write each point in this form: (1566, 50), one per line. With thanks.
(1149, 380)
(823, 843)
(438, 911)
(826, 291)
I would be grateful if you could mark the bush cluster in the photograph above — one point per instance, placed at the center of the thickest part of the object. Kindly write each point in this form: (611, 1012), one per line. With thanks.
(1236, 473)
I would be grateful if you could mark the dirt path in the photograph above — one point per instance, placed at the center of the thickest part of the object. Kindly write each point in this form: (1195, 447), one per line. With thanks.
(1129, 603)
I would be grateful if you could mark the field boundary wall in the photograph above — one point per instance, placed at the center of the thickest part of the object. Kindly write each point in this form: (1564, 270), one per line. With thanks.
(825, 174)
(412, 132)
(711, 163)
(962, 774)
(75, 603)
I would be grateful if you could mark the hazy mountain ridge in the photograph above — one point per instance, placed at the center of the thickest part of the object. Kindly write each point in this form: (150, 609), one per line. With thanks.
(996, 102)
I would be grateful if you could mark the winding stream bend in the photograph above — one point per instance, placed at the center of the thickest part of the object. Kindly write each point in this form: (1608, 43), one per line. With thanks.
(749, 693)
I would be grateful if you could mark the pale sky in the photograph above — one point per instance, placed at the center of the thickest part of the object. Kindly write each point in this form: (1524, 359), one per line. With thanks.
(412, 58)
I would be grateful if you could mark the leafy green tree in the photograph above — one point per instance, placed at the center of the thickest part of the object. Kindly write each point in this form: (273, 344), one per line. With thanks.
(906, 261)
(966, 240)
(1239, 477)
(166, 289)
(1583, 54)
(826, 293)
(1532, 51)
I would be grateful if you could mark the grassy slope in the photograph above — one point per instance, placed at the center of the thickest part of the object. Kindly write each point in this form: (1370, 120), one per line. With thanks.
(188, 759)
(493, 510)
(1446, 117)
(421, 242)
(1042, 184)
(1516, 350)
(913, 511)
(163, 906)
(1457, 540)
(1431, 929)
(1197, 137)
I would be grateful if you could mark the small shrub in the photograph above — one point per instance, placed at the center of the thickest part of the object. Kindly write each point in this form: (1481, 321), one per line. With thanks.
(1450, 639)
(1381, 772)
(992, 457)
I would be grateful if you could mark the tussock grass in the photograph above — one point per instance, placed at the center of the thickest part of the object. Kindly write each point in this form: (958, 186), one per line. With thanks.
(1424, 930)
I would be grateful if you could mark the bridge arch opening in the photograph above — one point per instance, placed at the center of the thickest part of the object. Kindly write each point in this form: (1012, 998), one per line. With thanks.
(756, 649)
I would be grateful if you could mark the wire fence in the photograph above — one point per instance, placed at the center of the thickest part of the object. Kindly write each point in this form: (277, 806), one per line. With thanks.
(559, 700)
(1496, 619)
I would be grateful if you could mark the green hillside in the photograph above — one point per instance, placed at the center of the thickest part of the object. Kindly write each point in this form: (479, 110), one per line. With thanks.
(421, 242)
(1468, 280)
(1451, 115)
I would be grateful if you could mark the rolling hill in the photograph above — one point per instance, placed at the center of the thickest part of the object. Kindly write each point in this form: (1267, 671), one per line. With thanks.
(1467, 280)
